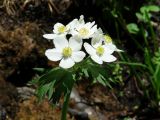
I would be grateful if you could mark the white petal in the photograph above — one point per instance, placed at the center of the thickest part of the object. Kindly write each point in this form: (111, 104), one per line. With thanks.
(97, 59)
(94, 29)
(99, 31)
(53, 54)
(119, 50)
(113, 47)
(78, 56)
(75, 43)
(73, 22)
(90, 50)
(67, 27)
(108, 58)
(73, 32)
(89, 24)
(60, 42)
(66, 63)
(49, 36)
(72, 25)
(56, 26)
(109, 49)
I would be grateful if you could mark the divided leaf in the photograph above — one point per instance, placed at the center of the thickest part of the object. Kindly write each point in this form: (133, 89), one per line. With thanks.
(54, 84)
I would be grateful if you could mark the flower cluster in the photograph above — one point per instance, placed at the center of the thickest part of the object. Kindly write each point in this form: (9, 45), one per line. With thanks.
(68, 50)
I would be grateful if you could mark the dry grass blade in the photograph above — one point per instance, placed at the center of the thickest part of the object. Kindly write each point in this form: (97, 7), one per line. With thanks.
(10, 6)
(13, 7)
(52, 7)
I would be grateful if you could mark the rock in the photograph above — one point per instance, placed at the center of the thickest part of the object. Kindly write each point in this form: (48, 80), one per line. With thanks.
(25, 92)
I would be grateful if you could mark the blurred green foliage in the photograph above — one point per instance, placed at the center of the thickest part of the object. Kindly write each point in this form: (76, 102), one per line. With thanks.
(132, 23)
(150, 52)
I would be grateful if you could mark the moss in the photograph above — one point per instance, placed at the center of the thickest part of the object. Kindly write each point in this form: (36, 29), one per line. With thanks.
(21, 49)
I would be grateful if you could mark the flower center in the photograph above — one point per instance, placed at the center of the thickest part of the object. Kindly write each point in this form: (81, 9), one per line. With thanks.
(67, 52)
(62, 29)
(107, 38)
(83, 31)
(100, 50)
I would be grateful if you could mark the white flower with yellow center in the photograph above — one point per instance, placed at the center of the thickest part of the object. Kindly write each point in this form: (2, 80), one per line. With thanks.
(75, 22)
(108, 43)
(59, 29)
(85, 31)
(66, 51)
(81, 29)
(99, 53)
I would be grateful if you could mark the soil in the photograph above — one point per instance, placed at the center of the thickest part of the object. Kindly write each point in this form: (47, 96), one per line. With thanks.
(22, 48)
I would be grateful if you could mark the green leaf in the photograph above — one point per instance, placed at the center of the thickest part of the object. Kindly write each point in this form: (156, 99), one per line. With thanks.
(101, 80)
(54, 83)
(85, 71)
(34, 81)
(148, 60)
(63, 86)
(140, 16)
(144, 9)
(42, 91)
(41, 70)
(68, 82)
(153, 8)
(114, 13)
(132, 64)
(53, 74)
(133, 28)
(145, 12)
(51, 89)
(98, 73)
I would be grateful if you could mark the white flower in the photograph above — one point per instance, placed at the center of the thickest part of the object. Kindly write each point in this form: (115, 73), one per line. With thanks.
(81, 29)
(59, 29)
(66, 51)
(75, 22)
(99, 53)
(108, 42)
(85, 31)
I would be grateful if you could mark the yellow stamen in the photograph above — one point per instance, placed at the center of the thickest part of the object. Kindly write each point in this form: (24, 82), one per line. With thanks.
(62, 29)
(100, 50)
(67, 52)
(107, 38)
(83, 32)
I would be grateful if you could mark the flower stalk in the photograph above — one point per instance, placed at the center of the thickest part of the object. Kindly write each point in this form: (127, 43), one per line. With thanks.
(65, 106)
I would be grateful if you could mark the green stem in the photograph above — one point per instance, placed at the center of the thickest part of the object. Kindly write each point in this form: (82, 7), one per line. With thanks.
(144, 36)
(133, 64)
(65, 106)
(155, 42)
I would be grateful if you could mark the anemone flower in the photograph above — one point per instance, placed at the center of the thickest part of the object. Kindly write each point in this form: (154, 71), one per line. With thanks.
(59, 30)
(99, 52)
(68, 52)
